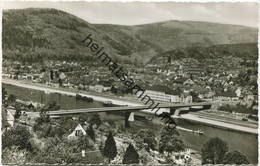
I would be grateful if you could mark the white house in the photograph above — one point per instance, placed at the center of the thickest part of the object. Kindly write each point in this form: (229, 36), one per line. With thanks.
(78, 131)
(162, 96)
(186, 98)
(182, 157)
(175, 98)
(99, 88)
(189, 82)
(10, 116)
(62, 76)
(238, 92)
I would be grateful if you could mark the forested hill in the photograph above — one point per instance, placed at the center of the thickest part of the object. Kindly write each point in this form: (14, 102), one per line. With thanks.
(244, 51)
(34, 34)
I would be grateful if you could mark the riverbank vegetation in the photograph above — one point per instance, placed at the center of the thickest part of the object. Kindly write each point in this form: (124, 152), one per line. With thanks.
(216, 151)
(239, 108)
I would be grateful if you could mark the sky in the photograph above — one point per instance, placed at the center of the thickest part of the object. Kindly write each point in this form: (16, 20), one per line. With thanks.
(134, 13)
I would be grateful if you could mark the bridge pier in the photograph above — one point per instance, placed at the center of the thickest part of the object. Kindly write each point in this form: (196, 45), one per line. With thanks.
(127, 115)
(172, 111)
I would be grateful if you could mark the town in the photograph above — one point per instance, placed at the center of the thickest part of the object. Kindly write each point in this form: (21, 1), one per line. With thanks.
(62, 105)
(224, 89)
(176, 81)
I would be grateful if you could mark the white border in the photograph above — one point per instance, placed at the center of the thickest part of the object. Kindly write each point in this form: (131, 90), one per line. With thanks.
(186, 1)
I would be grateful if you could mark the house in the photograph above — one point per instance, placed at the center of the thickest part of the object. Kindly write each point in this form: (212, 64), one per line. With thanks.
(158, 95)
(91, 87)
(182, 157)
(62, 76)
(248, 100)
(162, 93)
(189, 82)
(186, 98)
(227, 95)
(55, 85)
(238, 92)
(99, 88)
(78, 131)
(10, 116)
(206, 93)
(179, 80)
(175, 98)
(6, 75)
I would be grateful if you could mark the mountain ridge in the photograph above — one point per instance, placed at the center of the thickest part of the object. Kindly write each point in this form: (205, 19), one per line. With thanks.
(171, 20)
(51, 33)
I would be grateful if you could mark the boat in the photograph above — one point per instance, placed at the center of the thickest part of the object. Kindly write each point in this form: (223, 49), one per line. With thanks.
(84, 98)
(198, 132)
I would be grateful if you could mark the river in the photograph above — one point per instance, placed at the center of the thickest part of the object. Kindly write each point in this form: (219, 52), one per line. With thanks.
(243, 142)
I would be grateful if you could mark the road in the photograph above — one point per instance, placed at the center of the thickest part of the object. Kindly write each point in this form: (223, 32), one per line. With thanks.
(221, 124)
(214, 116)
(66, 91)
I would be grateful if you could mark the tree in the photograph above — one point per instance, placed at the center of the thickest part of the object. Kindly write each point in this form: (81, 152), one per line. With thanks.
(17, 112)
(17, 136)
(55, 130)
(4, 94)
(43, 124)
(11, 98)
(170, 141)
(44, 117)
(52, 106)
(57, 151)
(110, 150)
(235, 157)
(83, 118)
(214, 151)
(14, 155)
(131, 156)
(91, 132)
(195, 96)
(95, 119)
(147, 137)
(84, 142)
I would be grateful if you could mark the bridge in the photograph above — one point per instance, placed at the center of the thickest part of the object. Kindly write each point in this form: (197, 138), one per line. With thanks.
(145, 108)
(175, 110)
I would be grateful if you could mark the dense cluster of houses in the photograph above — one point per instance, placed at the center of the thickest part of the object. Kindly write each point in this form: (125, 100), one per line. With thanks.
(185, 82)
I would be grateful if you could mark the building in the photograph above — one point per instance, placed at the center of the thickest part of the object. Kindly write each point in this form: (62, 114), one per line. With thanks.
(182, 157)
(162, 96)
(78, 131)
(98, 88)
(186, 98)
(189, 82)
(175, 98)
(10, 116)
(228, 95)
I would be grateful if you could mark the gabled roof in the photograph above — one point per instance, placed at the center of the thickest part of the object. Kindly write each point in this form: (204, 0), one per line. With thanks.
(180, 80)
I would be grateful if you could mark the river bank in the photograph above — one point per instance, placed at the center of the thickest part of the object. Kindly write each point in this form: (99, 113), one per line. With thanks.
(69, 92)
(117, 101)
(219, 124)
